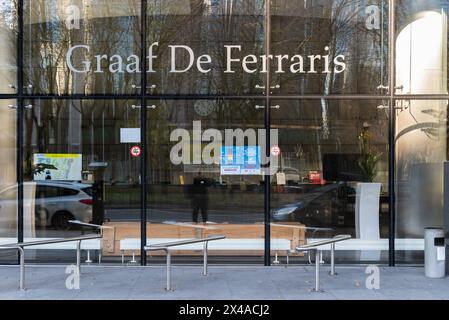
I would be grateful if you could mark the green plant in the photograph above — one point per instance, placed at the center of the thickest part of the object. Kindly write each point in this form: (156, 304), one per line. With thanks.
(368, 159)
(41, 167)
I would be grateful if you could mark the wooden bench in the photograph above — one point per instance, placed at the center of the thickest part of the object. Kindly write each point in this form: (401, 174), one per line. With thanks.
(241, 239)
(233, 245)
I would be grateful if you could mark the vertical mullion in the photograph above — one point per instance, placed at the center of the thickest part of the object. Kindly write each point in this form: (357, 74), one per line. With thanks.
(19, 122)
(392, 133)
(267, 184)
(143, 125)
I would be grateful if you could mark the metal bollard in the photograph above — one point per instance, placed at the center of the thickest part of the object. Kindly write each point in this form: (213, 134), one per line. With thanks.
(317, 270)
(168, 287)
(78, 257)
(205, 258)
(22, 268)
(332, 272)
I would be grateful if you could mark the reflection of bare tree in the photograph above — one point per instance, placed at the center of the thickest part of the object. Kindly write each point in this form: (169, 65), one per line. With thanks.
(205, 27)
(109, 28)
(340, 25)
(307, 28)
(8, 39)
(50, 127)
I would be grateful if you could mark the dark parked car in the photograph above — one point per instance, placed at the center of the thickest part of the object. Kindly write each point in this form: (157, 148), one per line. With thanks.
(329, 205)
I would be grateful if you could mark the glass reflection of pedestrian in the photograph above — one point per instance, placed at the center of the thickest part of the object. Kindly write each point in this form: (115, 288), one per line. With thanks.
(200, 198)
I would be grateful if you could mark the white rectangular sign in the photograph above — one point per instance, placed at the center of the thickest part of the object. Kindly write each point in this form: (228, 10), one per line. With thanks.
(129, 135)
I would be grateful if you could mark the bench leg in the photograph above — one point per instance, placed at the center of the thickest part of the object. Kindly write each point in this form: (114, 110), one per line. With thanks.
(317, 270)
(205, 259)
(168, 286)
(276, 261)
(22, 268)
(134, 258)
(88, 257)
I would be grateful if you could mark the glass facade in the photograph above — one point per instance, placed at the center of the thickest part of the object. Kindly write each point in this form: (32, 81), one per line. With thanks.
(273, 122)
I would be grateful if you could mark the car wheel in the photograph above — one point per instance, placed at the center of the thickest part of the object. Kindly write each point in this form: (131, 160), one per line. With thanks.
(61, 220)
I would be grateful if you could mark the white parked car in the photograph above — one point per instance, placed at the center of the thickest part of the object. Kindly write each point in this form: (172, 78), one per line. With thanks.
(54, 203)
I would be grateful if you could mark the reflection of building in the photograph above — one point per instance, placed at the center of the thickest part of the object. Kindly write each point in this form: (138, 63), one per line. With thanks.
(8, 80)
(421, 68)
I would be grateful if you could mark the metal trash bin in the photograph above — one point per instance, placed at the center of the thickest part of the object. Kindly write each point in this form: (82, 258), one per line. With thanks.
(434, 253)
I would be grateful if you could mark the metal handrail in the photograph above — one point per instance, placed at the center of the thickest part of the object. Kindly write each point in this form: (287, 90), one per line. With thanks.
(52, 241)
(300, 227)
(191, 225)
(183, 242)
(22, 245)
(166, 247)
(22, 264)
(85, 224)
(315, 246)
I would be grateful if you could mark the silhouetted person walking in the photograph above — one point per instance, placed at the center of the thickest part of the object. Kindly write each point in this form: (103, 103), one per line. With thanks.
(200, 199)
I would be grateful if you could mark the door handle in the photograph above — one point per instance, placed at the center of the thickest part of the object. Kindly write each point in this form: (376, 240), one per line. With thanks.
(271, 107)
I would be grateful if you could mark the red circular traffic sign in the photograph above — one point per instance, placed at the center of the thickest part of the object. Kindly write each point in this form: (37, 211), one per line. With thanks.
(135, 151)
(275, 151)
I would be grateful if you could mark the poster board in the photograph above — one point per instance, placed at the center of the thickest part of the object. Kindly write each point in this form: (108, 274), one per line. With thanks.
(57, 167)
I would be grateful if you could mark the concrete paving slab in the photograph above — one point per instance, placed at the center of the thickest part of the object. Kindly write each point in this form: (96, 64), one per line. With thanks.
(222, 283)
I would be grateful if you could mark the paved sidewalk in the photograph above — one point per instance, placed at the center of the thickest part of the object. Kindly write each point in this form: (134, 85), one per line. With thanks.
(227, 283)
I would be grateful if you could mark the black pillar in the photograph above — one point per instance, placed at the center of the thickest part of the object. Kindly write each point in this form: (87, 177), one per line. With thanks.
(446, 211)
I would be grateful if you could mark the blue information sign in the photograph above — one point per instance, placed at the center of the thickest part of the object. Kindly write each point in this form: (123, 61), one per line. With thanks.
(241, 160)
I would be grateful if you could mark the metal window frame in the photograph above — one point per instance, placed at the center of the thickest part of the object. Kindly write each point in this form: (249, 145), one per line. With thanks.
(143, 96)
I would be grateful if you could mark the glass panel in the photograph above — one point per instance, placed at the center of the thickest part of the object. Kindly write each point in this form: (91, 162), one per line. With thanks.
(8, 50)
(82, 47)
(421, 61)
(190, 184)
(421, 150)
(205, 28)
(332, 176)
(329, 47)
(78, 165)
(8, 179)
